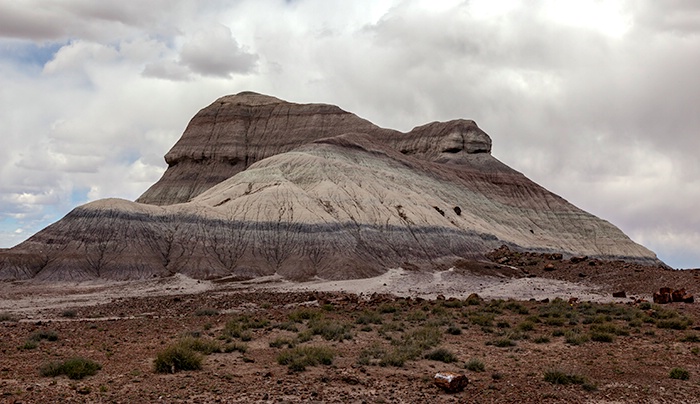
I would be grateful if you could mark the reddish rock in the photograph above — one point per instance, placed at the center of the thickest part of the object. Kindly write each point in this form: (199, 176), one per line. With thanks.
(677, 295)
(620, 294)
(688, 298)
(662, 298)
(549, 267)
(450, 382)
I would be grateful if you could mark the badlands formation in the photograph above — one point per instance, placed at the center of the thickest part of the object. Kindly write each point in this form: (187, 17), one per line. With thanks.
(259, 186)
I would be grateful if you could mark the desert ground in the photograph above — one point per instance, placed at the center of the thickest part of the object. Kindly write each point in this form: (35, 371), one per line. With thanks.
(523, 328)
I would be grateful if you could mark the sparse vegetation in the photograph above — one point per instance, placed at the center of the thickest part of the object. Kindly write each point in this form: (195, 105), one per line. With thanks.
(679, 373)
(298, 358)
(475, 365)
(441, 355)
(206, 311)
(563, 378)
(177, 357)
(75, 368)
(7, 317)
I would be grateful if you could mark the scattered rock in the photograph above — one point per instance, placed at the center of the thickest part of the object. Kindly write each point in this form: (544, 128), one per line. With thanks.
(549, 267)
(450, 382)
(577, 259)
(667, 295)
(620, 294)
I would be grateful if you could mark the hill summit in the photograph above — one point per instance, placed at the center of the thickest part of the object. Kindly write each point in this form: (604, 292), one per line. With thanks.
(259, 186)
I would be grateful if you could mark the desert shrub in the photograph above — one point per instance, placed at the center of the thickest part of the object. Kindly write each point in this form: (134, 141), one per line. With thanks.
(411, 346)
(371, 355)
(279, 342)
(558, 332)
(369, 317)
(238, 327)
(555, 321)
(385, 308)
(75, 368)
(30, 344)
(573, 337)
(482, 319)
(453, 330)
(298, 358)
(69, 313)
(475, 365)
(563, 378)
(542, 339)
(517, 308)
(4, 316)
(609, 328)
(49, 335)
(206, 311)
(441, 355)
(175, 358)
(601, 336)
(287, 326)
(305, 336)
(299, 315)
(206, 347)
(503, 324)
(691, 338)
(416, 316)
(679, 373)
(330, 330)
(453, 303)
(681, 323)
(235, 347)
(504, 342)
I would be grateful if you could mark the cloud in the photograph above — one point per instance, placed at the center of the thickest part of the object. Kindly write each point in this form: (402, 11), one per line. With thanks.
(600, 106)
(213, 51)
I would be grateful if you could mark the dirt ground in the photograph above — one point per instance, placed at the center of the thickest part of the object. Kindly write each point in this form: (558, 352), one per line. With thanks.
(388, 336)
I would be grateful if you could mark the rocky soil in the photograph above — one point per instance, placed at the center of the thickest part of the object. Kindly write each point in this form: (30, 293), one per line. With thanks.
(611, 350)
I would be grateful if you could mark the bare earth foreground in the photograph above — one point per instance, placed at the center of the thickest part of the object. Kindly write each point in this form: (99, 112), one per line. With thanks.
(523, 340)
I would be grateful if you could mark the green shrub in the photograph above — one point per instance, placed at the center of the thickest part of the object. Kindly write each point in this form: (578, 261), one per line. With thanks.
(371, 355)
(441, 355)
(175, 358)
(609, 328)
(279, 342)
(298, 358)
(504, 342)
(526, 326)
(674, 323)
(574, 338)
(330, 330)
(559, 377)
(288, 326)
(679, 373)
(416, 316)
(299, 315)
(482, 319)
(206, 347)
(475, 365)
(69, 313)
(600, 336)
(206, 311)
(30, 344)
(691, 338)
(542, 339)
(369, 317)
(387, 308)
(75, 368)
(238, 327)
(235, 347)
(48, 335)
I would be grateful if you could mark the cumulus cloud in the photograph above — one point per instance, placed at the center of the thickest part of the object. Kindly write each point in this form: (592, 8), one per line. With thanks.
(599, 104)
(213, 51)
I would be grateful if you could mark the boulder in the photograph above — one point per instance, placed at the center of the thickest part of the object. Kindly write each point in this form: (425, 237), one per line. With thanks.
(450, 382)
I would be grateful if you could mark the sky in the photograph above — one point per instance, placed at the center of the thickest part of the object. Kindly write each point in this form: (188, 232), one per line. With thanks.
(597, 101)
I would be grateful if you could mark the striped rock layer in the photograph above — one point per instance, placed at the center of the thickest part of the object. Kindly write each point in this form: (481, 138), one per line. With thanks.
(259, 186)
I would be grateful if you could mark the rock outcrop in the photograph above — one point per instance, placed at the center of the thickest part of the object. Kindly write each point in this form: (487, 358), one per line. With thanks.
(259, 186)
